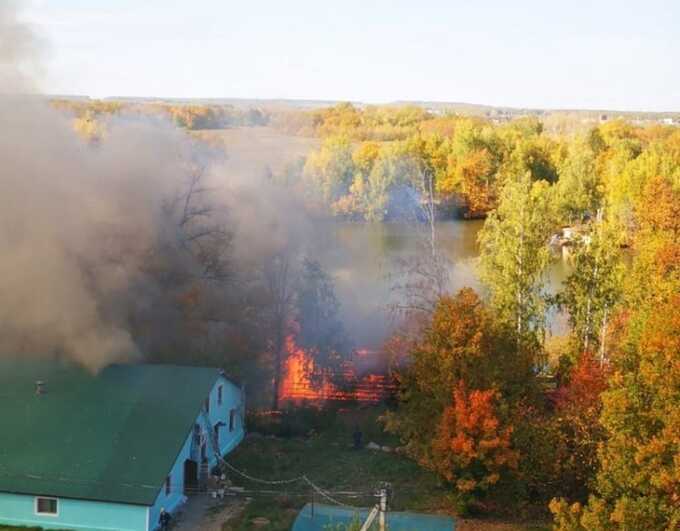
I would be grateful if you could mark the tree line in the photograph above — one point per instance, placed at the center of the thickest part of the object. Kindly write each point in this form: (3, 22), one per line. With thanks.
(361, 172)
(89, 115)
(588, 426)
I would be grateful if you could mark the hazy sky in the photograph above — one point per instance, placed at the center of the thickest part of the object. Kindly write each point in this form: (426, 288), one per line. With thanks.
(578, 54)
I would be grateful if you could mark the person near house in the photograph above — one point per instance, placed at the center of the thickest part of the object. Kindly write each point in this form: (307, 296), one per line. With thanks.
(164, 519)
(357, 437)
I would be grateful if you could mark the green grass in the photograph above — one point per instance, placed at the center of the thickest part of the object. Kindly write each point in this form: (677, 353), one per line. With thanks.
(329, 460)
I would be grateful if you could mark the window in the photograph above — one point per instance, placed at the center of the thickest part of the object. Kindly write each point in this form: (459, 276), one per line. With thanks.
(46, 506)
(167, 486)
(232, 419)
(206, 405)
(217, 434)
(219, 395)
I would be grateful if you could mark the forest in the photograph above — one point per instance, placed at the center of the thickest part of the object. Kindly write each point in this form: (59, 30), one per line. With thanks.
(586, 424)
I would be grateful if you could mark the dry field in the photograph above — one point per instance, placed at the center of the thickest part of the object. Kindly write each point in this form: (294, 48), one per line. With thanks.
(259, 148)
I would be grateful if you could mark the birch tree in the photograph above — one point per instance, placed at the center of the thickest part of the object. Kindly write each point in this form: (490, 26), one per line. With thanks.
(515, 254)
(593, 288)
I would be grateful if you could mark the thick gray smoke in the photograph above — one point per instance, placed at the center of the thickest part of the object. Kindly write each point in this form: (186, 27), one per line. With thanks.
(19, 52)
(99, 241)
(76, 224)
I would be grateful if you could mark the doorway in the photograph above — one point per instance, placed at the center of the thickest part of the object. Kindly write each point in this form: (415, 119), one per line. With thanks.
(190, 477)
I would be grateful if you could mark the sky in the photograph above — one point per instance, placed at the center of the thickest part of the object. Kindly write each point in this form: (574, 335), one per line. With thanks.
(595, 54)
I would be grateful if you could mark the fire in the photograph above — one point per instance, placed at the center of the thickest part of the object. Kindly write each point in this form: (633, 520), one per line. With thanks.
(298, 382)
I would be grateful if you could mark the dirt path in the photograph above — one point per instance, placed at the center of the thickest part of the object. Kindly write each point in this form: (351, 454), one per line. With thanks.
(203, 513)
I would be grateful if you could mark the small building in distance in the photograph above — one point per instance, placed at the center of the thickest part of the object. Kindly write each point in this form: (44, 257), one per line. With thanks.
(108, 451)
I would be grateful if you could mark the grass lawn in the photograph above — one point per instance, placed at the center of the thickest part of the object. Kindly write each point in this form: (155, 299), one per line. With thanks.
(330, 462)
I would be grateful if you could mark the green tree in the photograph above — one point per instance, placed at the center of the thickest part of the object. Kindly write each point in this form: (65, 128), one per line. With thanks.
(515, 255)
(578, 187)
(593, 288)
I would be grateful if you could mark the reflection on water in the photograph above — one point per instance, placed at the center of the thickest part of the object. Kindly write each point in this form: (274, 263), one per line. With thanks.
(362, 258)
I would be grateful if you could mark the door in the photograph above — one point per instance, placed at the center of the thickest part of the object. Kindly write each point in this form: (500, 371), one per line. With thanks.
(190, 477)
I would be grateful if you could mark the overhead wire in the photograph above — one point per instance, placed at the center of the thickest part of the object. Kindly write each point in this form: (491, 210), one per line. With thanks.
(323, 493)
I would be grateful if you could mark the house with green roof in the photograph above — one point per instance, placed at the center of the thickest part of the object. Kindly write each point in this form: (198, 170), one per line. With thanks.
(108, 451)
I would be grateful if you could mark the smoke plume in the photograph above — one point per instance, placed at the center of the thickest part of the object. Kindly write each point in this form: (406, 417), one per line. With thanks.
(20, 52)
(99, 240)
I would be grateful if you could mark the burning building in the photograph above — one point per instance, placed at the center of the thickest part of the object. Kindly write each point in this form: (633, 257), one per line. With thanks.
(359, 379)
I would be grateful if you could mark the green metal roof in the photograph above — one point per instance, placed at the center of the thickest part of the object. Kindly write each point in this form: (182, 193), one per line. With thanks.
(113, 436)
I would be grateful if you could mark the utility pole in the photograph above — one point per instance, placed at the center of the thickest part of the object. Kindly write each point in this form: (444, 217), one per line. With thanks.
(383, 508)
(379, 510)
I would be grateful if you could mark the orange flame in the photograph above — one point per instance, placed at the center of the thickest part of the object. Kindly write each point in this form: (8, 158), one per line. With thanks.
(298, 382)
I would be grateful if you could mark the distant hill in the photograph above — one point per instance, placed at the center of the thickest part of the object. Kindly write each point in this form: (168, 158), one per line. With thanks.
(437, 107)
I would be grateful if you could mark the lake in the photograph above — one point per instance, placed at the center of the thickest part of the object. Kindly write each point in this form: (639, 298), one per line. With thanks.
(362, 258)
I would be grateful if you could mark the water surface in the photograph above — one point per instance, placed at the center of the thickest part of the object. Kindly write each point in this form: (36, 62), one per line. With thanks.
(362, 258)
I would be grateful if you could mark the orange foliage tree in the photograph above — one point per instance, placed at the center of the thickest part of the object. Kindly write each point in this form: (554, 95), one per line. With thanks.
(472, 447)
(576, 425)
(462, 376)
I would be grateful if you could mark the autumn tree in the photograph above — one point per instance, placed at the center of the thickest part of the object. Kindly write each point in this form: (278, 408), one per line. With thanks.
(472, 448)
(331, 169)
(655, 274)
(463, 371)
(575, 427)
(471, 166)
(638, 482)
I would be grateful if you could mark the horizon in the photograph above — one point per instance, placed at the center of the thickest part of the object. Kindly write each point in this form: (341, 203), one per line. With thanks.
(216, 100)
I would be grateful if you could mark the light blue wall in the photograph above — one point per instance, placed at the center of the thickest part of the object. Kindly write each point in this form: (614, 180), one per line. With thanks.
(85, 515)
(82, 515)
(176, 497)
(231, 399)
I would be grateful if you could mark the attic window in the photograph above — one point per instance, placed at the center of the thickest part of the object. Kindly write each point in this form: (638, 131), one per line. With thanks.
(167, 486)
(219, 395)
(46, 506)
(206, 405)
(232, 418)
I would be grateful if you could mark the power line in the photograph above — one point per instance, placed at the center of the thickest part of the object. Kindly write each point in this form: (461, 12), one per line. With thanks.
(325, 494)
(263, 481)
